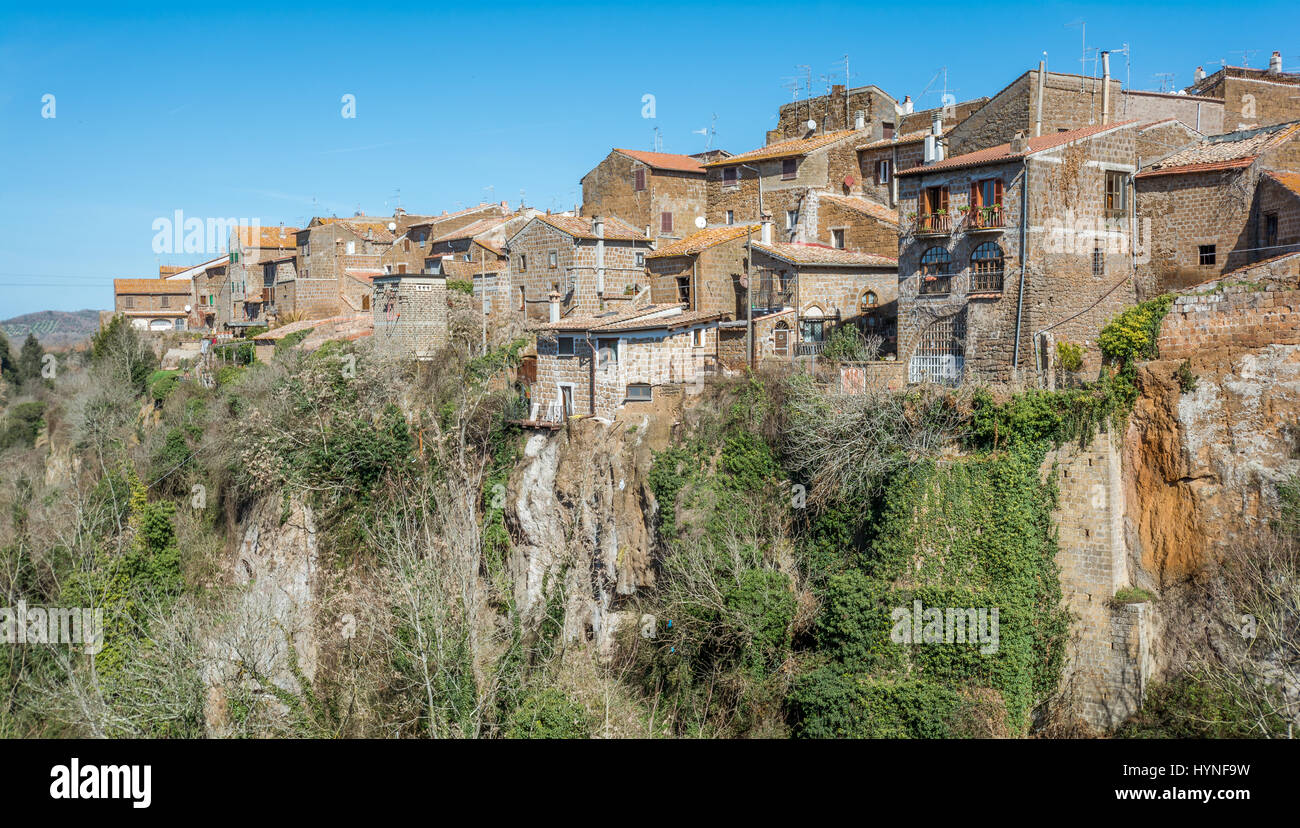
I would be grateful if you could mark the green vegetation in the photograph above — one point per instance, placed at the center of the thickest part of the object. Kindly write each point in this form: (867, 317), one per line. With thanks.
(461, 286)
(21, 424)
(1069, 356)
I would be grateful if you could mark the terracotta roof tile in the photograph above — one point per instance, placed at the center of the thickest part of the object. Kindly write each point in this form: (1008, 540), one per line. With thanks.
(169, 286)
(665, 160)
(703, 240)
(581, 227)
(785, 149)
(863, 206)
(1289, 180)
(471, 230)
(820, 254)
(1221, 152)
(907, 138)
(1002, 152)
(275, 238)
(650, 317)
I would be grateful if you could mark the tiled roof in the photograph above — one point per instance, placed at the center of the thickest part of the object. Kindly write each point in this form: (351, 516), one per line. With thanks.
(704, 239)
(1222, 152)
(468, 210)
(908, 138)
(785, 149)
(820, 254)
(168, 286)
(649, 317)
(167, 270)
(864, 206)
(276, 237)
(581, 227)
(471, 230)
(1002, 152)
(1289, 180)
(665, 160)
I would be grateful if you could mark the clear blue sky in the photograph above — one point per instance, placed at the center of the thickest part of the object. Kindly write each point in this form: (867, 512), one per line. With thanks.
(235, 111)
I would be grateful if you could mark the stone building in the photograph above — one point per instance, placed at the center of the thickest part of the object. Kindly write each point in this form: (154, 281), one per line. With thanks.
(781, 175)
(596, 264)
(598, 364)
(1221, 203)
(1052, 213)
(704, 271)
(658, 193)
(336, 259)
(842, 109)
(255, 254)
(410, 313)
(415, 235)
(1251, 97)
(153, 304)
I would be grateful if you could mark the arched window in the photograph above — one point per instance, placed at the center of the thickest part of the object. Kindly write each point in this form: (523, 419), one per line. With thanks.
(935, 264)
(869, 299)
(986, 268)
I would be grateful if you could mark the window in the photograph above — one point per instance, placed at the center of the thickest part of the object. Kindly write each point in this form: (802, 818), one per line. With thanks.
(887, 128)
(787, 168)
(180, 324)
(837, 239)
(401, 267)
(607, 351)
(553, 259)
(697, 338)
(352, 248)
(730, 177)
(640, 392)
(986, 268)
(523, 297)
(882, 171)
(564, 346)
(870, 299)
(365, 302)
(639, 178)
(640, 259)
(469, 256)
(523, 261)
(684, 289)
(935, 264)
(933, 216)
(665, 222)
(431, 265)
(1098, 262)
(731, 217)
(128, 302)
(791, 219)
(812, 330)
(164, 301)
(940, 354)
(1270, 230)
(1207, 254)
(985, 204)
(1116, 193)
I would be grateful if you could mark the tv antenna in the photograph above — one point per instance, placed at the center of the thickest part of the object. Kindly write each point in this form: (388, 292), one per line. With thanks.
(1245, 56)
(1166, 81)
(710, 131)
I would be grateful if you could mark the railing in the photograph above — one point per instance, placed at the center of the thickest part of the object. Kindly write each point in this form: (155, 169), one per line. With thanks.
(985, 218)
(942, 370)
(988, 281)
(933, 224)
(936, 283)
(808, 348)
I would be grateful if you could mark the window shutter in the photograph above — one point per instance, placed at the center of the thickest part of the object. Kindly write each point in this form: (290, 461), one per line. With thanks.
(997, 191)
(975, 195)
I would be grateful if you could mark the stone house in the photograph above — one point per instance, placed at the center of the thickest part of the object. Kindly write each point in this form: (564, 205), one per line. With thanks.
(841, 109)
(244, 299)
(476, 253)
(1221, 203)
(1251, 97)
(153, 304)
(410, 313)
(595, 264)
(415, 235)
(704, 271)
(336, 258)
(781, 176)
(598, 364)
(1053, 214)
(659, 193)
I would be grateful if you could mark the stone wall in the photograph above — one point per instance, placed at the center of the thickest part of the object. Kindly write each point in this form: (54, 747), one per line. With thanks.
(410, 314)
(610, 190)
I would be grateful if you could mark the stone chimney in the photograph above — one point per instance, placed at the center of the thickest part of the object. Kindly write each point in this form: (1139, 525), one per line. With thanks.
(859, 120)
(907, 104)
(765, 229)
(1019, 144)
(554, 299)
(1105, 87)
(1199, 75)
(1275, 64)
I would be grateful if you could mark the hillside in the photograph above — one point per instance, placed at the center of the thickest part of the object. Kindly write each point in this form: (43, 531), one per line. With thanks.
(55, 329)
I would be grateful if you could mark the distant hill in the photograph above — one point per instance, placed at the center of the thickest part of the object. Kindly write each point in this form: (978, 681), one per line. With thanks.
(54, 329)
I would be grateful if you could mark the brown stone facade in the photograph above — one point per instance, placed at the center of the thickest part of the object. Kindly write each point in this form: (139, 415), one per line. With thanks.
(410, 314)
(657, 200)
(153, 304)
(840, 109)
(1068, 102)
(544, 258)
(1252, 97)
(967, 321)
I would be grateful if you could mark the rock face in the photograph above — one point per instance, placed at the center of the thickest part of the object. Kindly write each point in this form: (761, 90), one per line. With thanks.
(582, 515)
(275, 566)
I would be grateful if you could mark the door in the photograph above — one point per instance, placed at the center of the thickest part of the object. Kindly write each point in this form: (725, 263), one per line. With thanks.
(566, 398)
(781, 340)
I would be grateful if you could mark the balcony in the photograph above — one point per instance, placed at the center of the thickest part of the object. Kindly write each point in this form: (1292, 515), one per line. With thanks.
(808, 349)
(933, 224)
(935, 284)
(981, 219)
(988, 281)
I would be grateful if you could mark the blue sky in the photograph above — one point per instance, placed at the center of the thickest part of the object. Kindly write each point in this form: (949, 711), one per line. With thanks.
(235, 111)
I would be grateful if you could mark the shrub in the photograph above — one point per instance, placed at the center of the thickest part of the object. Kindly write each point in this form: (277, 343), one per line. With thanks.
(1186, 379)
(548, 714)
(21, 425)
(1132, 335)
(1069, 356)
(461, 285)
(1190, 708)
(161, 384)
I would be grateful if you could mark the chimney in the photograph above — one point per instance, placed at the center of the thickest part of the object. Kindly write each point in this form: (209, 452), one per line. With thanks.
(598, 227)
(555, 307)
(1105, 87)
(765, 229)
(1038, 116)
(1275, 64)
(907, 104)
(1199, 75)
(505, 206)
(859, 120)
(1019, 144)
(281, 229)
(933, 151)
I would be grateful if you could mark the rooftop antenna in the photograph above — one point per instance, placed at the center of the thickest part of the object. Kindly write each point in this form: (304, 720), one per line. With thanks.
(1083, 47)
(710, 131)
(807, 88)
(658, 140)
(1166, 81)
(1245, 57)
(847, 84)
(521, 199)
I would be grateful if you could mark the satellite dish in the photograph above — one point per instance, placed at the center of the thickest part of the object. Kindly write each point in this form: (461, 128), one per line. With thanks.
(700, 222)
(392, 225)
(811, 124)
(187, 308)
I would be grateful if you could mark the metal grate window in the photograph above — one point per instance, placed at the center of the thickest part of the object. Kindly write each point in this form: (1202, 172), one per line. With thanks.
(941, 354)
